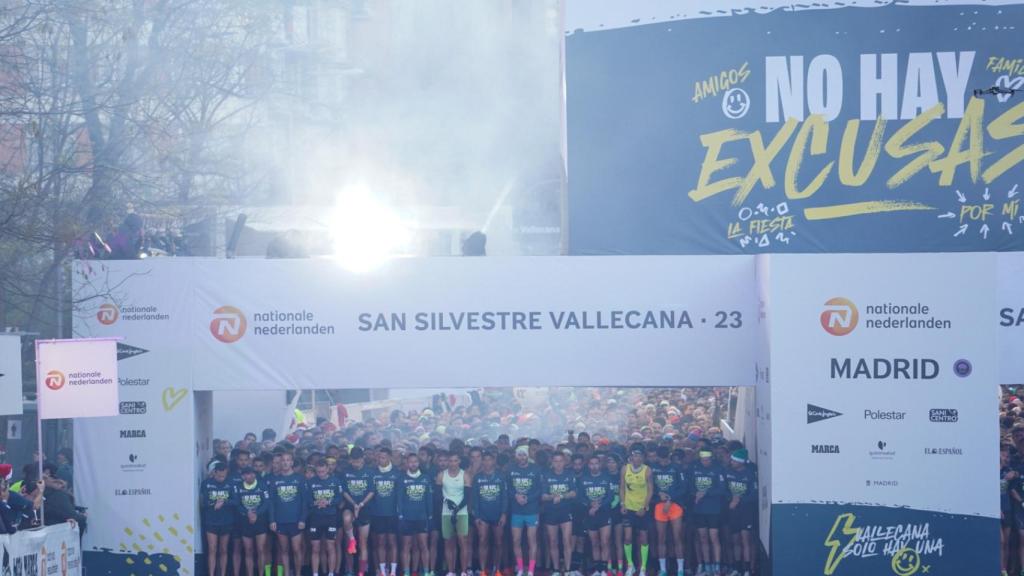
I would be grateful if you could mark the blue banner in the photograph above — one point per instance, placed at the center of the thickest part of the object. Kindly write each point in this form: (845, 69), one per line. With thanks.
(859, 540)
(844, 129)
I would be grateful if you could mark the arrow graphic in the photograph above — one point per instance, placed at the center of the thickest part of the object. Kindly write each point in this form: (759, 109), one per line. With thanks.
(1008, 227)
(961, 231)
(984, 231)
(986, 195)
(960, 196)
(1012, 192)
(947, 215)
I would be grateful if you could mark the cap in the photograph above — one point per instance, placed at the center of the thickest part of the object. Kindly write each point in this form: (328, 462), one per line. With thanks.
(522, 450)
(740, 455)
(246, 470)
(6, 470)
(705, 454)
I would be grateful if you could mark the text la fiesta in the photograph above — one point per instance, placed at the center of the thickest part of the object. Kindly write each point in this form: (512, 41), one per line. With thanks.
(525, 320)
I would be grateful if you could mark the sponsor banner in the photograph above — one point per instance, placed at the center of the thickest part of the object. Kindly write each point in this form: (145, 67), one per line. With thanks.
(625, 322)
(76, 378)
(1011, 318)
(835, 129)
(884, 369)
(142, 474)
(10, 375)
(50, 551)
(852, 540)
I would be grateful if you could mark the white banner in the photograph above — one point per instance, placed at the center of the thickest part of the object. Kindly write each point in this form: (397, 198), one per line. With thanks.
(638, 321)
(1011, 318)
(50, 551)
(883, 411)
(136, 472)
(76, 378)
(10, 374)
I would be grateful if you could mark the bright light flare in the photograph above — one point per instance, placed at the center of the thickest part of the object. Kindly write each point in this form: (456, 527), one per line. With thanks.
(366, 233)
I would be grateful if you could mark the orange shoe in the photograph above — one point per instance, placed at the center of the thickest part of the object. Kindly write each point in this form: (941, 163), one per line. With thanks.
(351, 545)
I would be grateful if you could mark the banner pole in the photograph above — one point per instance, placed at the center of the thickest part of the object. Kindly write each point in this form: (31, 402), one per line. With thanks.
(39, 436)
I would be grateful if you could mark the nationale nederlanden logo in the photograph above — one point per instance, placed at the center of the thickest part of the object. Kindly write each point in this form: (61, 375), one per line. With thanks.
(54, 380)
(108, 314)
(228, 324)
(839, 317)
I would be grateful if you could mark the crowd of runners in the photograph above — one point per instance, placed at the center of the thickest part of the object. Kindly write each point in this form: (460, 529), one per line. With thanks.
(597, 482)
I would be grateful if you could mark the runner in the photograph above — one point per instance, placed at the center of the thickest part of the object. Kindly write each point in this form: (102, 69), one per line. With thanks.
(253, 504)
(384, 512)
(741, 481)
(288, 514)
(415, 499)
(668, 510)
(524, 508)
(558, 492)
(218, 517)
(597, 491)
(357, 486)
(613, 465)
(324, 500)
(636, 488)
(708, 487)
(490, 509)
(455, 514)
(1007, 476)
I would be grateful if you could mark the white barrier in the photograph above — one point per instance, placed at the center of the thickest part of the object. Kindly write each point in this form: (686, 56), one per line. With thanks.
(44, 552)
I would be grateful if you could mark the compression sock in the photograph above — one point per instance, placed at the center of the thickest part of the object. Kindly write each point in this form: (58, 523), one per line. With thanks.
(629, 554)
(519, 564)
(383, 568)
(680, 566)
(643, 557)
(394, 566)
(661, 564)
(532, 565)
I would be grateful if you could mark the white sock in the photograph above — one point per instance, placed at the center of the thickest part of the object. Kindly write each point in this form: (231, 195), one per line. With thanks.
(661, 563)
(679, 566)
(394, 565)
(383, 568)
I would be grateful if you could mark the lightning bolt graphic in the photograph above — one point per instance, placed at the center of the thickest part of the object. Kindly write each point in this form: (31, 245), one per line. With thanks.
(837, 544)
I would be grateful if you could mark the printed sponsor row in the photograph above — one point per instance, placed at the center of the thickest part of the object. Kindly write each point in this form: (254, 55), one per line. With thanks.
(937, 415)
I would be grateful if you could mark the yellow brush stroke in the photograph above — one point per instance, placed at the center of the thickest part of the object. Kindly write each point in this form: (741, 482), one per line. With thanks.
(163, 568)
(145, 521)
(128, 531)
(189, 548)
(176, 558)
(176, 517)
(173, 530)
(184, 571)
(142, 536)
(160, 517)
(136, 547)
(147, 560)
(183, 542)
(158, 536)
(150, 547)
(123, 546)
(189, 528)
(859, 208)
(129, 561)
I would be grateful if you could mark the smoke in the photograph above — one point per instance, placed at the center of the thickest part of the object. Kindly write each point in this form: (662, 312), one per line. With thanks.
(440, 103)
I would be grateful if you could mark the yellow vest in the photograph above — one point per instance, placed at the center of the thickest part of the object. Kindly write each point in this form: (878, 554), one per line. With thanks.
(636, 487)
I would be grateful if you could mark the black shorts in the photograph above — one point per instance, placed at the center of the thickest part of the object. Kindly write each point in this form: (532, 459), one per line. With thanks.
(490, 521)
(247, 530)
(1018, 518)
(634, 519)
(288, 529)
(412, 527)
(362, 520)
(578, 525)
(219, 530)
(616, 516)
(742, 518)
(322, 530)
(712, 521)
(556, 518)
(1006, 518)
(384, 524)
(599, 520)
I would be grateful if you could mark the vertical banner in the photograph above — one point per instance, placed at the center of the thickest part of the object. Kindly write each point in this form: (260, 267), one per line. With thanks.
(76, 378)
(10, 375)
(1011, 318)
(883, 408)
(51, 551)
(136, 471)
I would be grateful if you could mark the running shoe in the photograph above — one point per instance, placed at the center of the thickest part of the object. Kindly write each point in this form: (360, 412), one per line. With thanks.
(630, 571)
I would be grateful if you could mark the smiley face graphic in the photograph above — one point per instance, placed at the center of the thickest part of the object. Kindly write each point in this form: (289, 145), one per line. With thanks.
(906, 562)
(735, 103)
